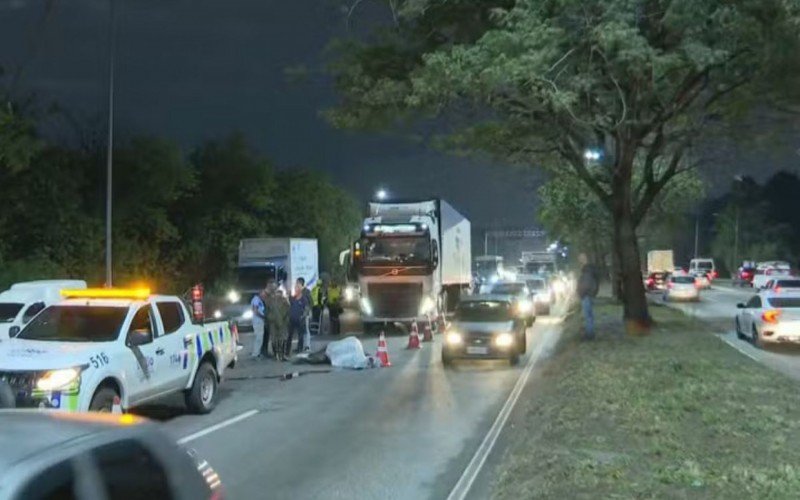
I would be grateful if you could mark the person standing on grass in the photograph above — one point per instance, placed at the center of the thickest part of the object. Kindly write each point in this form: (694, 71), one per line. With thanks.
(588, 287)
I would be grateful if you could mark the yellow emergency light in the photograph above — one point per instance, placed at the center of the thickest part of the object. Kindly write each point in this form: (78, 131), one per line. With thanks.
(107, 293)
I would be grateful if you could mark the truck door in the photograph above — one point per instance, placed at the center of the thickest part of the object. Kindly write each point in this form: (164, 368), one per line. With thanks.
(141, 368)
(174, 327)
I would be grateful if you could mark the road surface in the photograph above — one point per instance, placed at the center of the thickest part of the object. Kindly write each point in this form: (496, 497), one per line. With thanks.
(409, 431)
(718, 307)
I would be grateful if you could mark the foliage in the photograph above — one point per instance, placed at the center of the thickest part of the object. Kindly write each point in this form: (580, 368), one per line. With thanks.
(177, 218)
(540, 82)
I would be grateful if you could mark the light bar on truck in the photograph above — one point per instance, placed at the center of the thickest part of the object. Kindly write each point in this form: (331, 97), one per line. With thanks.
(107, 293)
(394, 228)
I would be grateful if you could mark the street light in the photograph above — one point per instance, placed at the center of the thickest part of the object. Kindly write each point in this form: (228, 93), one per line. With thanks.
(112, 47)
(381, 194)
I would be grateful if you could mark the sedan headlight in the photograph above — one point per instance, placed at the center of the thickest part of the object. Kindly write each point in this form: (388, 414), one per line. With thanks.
(217, 314)
(248, 314)
(426, 306)
(233, 296)
(58, 379)
(504, 340)
(366, 307)
(524, 306)
(454, 338)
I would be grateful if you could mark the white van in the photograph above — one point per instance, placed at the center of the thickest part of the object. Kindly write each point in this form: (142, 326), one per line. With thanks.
(703, 267)
(20, 303)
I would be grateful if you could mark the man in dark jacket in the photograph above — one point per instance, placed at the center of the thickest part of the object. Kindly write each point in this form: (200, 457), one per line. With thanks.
(299, 308)
(588, 286)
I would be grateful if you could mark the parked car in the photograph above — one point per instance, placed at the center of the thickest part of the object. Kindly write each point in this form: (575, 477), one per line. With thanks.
(770, 317)
(682, 288)
(54, 455)
(485, 327)
(23, 301)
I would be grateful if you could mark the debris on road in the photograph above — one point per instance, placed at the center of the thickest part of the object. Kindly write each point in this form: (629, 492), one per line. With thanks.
(349, 353)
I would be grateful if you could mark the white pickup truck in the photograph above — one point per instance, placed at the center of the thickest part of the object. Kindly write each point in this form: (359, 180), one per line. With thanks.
(97, 345)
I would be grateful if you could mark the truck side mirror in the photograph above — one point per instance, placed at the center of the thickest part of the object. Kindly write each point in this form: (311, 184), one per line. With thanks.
(435, 254)
(139, 337)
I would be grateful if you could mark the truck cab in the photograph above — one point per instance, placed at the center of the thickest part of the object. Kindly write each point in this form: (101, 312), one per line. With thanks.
(98, 346)
(411, 261)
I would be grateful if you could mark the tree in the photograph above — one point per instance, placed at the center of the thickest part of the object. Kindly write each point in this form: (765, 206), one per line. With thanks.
(541, 82)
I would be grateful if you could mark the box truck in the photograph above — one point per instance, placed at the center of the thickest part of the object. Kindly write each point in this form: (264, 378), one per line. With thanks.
(411, 262)
(261, 260)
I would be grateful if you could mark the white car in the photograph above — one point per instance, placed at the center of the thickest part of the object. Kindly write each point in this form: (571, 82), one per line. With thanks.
(682, 288)
(779, 284)
(105, 345)
(519, 294)
(542, 295)
(701, 280)
(771, 317)
(766, 271)
(20, 303)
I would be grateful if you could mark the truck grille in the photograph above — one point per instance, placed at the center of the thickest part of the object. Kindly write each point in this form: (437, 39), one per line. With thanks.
(395, 300)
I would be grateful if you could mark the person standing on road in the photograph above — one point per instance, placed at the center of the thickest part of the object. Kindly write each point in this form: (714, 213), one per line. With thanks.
(258, 306)
(319, 299)
(588, 287)
(299, 308)
(307, 320)
(265, 345)
(278, 314)
(334, 305)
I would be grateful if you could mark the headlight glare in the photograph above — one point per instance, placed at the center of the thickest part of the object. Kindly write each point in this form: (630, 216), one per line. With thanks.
(427, 305)
(58, 379)
(248, 314)
(454, 338)
(366, 307)
(233, 296)
(504, 340)
(217, 314)
(524, 306)
(349, 294)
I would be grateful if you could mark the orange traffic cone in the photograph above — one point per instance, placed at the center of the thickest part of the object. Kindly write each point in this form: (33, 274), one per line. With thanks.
(383, 353)
(413, 337)
(116, 406)
(428, 331)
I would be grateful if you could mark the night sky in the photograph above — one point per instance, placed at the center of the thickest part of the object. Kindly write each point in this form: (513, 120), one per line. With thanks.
(198, 69)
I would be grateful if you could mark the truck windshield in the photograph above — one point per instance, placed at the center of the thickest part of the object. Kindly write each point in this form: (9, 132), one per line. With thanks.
(69, 323)
(255, 278)
(486, 268)
(484, 310)
(536, 284)
(397, 250)
(509, 289)
(540, 267)
(9, 311)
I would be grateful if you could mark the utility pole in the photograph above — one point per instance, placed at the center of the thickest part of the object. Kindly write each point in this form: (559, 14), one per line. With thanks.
(112, 42)
(736, 239)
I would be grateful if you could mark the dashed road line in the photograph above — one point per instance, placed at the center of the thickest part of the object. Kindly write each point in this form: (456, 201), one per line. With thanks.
(216, 427)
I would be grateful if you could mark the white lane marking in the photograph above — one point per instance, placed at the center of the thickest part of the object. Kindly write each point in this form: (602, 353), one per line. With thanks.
(464, 484)
(733, 344)
(216, 427)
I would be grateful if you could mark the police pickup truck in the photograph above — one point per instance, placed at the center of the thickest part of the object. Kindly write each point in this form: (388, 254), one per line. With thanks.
(98, 346)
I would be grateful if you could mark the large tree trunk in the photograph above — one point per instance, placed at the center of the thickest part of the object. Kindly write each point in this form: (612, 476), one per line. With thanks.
(626, 246)
(616, 273)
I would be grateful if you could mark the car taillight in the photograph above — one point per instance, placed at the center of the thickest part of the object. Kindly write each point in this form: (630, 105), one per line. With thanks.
(777, 289)
(670, 285)
(771, 316)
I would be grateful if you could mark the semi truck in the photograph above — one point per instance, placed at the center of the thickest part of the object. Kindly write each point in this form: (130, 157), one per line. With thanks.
(411, 262)
(261, 260)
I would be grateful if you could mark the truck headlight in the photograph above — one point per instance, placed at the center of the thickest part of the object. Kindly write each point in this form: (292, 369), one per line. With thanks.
(366, 307)
(58, 379)
(248, 314)
(504, 340)
(233, 296)
(349, 294)
(427, 305)
(454, 338)
(524, 306)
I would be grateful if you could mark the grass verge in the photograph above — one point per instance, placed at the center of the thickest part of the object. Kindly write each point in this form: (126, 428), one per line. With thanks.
(677, 414)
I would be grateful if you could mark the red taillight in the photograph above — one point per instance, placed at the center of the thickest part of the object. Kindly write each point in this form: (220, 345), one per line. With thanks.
(777, 289)
(771, 316)
(650, 281)
(670, 285)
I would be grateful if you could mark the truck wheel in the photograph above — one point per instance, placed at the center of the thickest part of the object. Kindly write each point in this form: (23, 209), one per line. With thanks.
(202, 397)
(447, 361)
(103, 400)
(7, 399)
